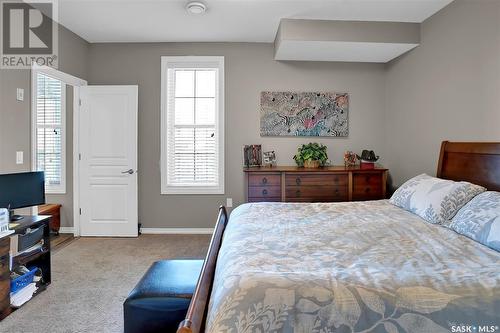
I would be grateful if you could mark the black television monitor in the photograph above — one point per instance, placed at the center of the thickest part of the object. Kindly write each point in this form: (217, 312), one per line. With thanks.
(20, 190)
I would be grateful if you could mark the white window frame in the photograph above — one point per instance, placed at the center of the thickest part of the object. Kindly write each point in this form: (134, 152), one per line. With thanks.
(55, 74)
(192, 62)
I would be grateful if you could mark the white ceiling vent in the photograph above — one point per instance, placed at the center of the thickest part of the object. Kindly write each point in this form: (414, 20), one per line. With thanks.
(196, 8)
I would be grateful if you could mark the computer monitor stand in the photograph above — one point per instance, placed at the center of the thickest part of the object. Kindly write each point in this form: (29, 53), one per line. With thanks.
(13, 217)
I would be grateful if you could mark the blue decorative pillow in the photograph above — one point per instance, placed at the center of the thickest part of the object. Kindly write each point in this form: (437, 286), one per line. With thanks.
(433, 199)
(480, 220)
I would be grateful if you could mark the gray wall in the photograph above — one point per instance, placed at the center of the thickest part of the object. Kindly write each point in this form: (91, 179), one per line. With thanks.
(250, 69)
(448, 88)
(15, 123)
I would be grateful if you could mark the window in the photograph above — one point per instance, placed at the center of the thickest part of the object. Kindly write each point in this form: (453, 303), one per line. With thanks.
(192, 160)
(49, 137)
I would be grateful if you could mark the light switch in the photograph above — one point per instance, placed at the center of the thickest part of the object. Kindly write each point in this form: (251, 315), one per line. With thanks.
(229, 202)
(20, 94)
(19, 157)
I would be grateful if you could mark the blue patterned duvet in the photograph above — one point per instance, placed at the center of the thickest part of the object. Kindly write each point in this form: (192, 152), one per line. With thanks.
(349, 267)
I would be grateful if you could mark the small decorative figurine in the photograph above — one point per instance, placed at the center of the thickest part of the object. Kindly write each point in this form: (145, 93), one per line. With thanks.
(269, 159)
(367, 159)
(252, 155)
(349, 158)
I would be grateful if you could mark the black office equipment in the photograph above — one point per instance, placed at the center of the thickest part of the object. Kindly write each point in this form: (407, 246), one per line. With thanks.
(20, 190)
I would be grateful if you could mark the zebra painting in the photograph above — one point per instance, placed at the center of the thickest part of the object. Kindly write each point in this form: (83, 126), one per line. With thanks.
(304, 114)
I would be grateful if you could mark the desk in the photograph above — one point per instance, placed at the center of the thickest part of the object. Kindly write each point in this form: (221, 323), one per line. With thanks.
(39, 258)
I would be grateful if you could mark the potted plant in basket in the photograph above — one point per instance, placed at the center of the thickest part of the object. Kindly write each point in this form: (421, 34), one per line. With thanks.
(312, 155)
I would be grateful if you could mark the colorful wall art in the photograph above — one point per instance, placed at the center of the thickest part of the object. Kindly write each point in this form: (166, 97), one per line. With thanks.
(304, 114)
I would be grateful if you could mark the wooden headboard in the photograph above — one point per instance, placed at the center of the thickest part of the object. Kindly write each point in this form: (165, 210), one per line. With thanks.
(475, 162)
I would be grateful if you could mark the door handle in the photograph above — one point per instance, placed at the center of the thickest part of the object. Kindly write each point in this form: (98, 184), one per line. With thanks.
(129, 171)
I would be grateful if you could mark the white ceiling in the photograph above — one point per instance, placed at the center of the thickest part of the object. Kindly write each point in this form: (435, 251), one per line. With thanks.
(225, 20)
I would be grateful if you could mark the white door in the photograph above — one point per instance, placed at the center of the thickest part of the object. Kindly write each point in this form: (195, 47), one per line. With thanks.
(108, 161)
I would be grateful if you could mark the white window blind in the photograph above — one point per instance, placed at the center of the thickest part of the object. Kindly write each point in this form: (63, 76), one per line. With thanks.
(50, 131)
(192, 131)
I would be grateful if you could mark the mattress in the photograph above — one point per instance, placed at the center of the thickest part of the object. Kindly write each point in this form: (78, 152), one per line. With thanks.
(349, 267)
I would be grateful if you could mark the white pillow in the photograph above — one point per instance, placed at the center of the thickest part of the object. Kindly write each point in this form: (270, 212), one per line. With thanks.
(433, 199)
(480, 220)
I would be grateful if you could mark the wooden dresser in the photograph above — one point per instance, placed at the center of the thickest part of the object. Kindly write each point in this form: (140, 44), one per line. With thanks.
(327, 184)
(54, 210)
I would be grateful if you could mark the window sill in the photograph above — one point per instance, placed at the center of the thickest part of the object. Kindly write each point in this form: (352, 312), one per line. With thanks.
(192, 190)
(50, 192)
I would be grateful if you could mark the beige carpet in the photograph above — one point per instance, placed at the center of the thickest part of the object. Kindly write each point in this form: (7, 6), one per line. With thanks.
(91, 277)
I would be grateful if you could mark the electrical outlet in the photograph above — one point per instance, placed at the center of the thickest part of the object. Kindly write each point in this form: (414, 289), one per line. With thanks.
(229, 202)
(20, 94)
(19, 157)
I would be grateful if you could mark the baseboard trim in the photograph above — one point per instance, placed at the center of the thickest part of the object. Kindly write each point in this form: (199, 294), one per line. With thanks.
(177, 231)
(67, 230)
(157, 231)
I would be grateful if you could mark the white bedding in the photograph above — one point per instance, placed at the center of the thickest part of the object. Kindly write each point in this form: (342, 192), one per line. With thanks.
(349, 267)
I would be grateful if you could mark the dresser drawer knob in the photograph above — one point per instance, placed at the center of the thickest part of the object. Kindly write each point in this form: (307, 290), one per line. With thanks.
(264, 192)
(264, 180)
(367, 190)
(297, 180)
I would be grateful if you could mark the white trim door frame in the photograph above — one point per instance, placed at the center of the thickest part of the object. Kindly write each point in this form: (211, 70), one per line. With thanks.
(76, 83)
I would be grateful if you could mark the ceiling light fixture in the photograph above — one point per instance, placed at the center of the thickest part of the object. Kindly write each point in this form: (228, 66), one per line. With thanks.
(196, 7)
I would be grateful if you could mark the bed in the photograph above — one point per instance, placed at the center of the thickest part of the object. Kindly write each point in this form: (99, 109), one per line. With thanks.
(350, 267)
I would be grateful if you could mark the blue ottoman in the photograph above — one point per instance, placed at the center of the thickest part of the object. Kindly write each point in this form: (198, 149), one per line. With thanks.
(159, 301)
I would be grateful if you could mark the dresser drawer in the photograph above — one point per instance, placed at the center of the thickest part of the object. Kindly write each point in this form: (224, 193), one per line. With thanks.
(316, 193)
(261, 199)
(264, 191)
(264, 179)
(367, 186)
(318, 199)
(300, 179)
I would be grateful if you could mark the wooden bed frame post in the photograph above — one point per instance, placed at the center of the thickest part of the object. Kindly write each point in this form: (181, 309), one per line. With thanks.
(196, 315)
(441, 157)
